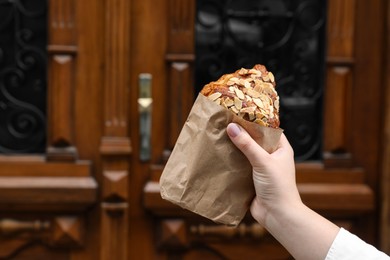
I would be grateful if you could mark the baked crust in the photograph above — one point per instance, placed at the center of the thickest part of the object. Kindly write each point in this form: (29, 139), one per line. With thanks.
(249, 93)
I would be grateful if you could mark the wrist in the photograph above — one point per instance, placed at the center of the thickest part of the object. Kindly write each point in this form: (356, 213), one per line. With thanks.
(266, 213)
(295, 225)
(283, 214)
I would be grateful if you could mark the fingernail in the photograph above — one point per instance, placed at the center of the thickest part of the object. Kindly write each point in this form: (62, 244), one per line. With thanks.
(233, 130)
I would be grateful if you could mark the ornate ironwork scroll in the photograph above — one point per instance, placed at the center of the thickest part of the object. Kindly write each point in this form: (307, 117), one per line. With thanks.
(285, 35)
(23, 37)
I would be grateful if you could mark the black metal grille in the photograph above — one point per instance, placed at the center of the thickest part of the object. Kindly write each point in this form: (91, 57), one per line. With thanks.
(23, 59)
(285, 35)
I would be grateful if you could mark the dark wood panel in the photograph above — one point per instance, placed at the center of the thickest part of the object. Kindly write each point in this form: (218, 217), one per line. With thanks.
(385, 180)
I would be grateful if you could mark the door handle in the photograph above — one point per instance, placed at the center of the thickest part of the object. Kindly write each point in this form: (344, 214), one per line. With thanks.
(145, 102)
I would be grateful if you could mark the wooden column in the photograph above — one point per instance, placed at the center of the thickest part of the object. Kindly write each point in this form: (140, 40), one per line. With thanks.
(115, 145)
(180, 59)
(339, 74)
(62, 48)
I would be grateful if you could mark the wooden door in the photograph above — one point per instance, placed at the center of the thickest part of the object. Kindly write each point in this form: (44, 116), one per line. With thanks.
(342, 185)
(88, 194)
(47, 193)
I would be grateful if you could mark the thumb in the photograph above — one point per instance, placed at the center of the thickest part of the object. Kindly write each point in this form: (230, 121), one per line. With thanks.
(245, 143)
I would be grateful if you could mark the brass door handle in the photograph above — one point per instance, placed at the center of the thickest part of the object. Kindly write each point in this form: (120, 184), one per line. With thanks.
(145, 102)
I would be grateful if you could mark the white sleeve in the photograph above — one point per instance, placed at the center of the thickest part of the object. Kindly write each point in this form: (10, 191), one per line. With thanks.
(348, 246)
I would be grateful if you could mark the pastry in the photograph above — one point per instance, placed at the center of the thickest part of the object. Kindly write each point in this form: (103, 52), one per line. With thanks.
(248, 93)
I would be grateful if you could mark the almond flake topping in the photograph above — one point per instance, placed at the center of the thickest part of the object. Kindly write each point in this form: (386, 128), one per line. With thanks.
(242, 82)
(253, 71)
(253, 93)
(214, 96)
(251, 116)
(233, 81)
(276, 104)
(239, 93)
(237, 103)
(234, 109)
(229, 102)
(260, 122)
(243, 71)
(248, 110)
(247, 84)
(271, 112)
(271, 76)
(258, 102)
(218, 101)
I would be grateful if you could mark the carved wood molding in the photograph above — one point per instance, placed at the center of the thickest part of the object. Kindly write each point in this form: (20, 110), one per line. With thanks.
(181, 26)
(46, 186)
(339, 74)
(62, 48)
(115, 146)
(47, 193)
(180, 59)
(68, 232)
(65, 232)
(12, 226)
(254, 231)
(345, 199)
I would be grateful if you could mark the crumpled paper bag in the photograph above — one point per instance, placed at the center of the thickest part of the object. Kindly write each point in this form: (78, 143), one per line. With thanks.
(205, 172)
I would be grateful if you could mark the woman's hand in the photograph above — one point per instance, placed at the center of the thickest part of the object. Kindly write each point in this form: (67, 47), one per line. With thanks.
(277, 205)
(273, 174)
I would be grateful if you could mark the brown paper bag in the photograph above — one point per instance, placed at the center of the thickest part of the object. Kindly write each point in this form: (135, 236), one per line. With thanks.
(206, 173)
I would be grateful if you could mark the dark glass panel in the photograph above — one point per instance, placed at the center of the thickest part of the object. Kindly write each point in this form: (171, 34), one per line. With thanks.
(285, 35)
(23, 59)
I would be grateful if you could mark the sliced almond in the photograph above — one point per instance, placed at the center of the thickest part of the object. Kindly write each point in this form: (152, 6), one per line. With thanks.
(270, 90)
(218, 101)
(229, 102)
(259, 115)
(247, 84)
(234, 80)
(234, 109)
(253, 71)
(265, 77)
(251, 116)
(265, 98)
(223, 103)
(271, 76)
(237, 103)
(243, 71)
(248, 98)
(239, 93)
(276, 104)
(241, 82)
(248, 110)
(231, 89)
(258, 102)
(258, 85)
(253, 93)
(230, 83)
(214, 96)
